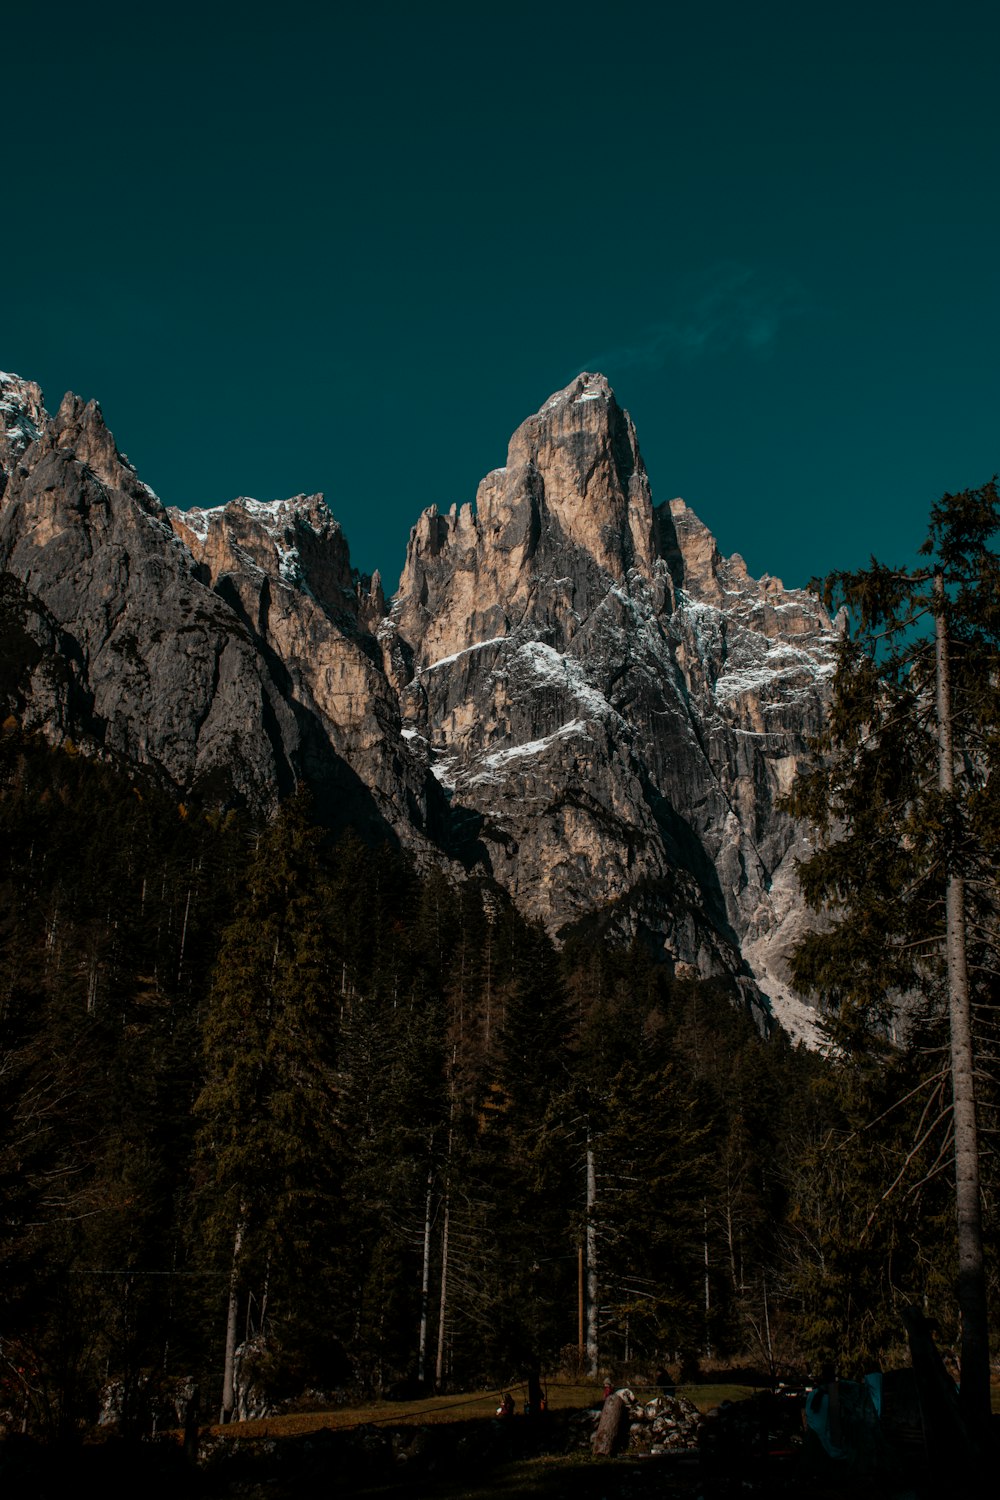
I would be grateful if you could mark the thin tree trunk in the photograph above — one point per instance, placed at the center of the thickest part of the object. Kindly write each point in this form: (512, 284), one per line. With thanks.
(425, 1280)
(264, 1295)
(443, 1309)
(767, 1331)
(975, 1356)
(579, 1306)
(708, 1289)
(228, 1384)
(443, 1295)
(592, 1347)
(184, 933)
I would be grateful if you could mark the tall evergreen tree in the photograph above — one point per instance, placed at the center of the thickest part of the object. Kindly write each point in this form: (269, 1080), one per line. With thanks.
(268, 1108)
(394, 1116)
(906, 797)
(655, 1175)
(527, 1160)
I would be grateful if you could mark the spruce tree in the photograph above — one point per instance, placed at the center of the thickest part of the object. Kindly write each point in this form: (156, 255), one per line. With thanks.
(268, 1107)
(656, 1175)
(97, 1065)
(530, 1183)
(905, 797)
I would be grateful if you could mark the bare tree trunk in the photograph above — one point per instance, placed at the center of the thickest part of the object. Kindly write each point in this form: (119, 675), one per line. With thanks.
(592, 1347)
(443, 1299)
(975, 1355)
(443, 1310)
(228, 1394)
(579, 1306)
(708, 1290)
(767, 1331)
(730, 1231)
(608, 1436)
(425, 1280)
(184, 933)
(264, 1294)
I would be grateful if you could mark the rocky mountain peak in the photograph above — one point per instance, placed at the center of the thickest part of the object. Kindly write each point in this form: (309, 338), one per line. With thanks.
(725, 584)
(78, 427)
(594, 485)
(610, 701)
(222, 648)
(569, 513)
(76, 435)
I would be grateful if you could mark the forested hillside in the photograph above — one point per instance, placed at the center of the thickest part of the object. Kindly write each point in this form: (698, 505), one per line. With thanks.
(271, 1089)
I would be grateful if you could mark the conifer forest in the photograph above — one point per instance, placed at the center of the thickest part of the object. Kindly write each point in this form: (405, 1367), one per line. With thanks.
(274, 1095)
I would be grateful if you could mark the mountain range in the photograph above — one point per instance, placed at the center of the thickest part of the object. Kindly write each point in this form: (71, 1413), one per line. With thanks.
(571, 691)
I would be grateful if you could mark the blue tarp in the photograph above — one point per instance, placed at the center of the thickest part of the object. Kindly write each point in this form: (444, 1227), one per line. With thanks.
(844, 1415)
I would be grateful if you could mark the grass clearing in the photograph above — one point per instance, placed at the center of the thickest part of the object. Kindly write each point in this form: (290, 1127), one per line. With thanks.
(461, 1407)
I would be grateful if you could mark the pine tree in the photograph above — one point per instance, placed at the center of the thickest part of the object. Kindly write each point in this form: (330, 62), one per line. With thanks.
(268, 1141)
(905, 796)
(394, 1114)
(96, 1069)
(848, 1264)
(526, 1160)
(655, 1175)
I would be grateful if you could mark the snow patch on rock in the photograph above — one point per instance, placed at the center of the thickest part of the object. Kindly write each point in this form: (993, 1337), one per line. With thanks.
(545, 667)
(499, 760)
(447, 661)
(22, 416)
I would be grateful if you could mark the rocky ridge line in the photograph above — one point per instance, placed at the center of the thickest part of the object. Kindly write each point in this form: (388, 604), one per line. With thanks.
(572, 690)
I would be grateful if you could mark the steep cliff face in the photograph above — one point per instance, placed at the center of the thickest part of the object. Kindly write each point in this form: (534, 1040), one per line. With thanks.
(183, 649)
(168, 674)
(572, 689)
(284, 568)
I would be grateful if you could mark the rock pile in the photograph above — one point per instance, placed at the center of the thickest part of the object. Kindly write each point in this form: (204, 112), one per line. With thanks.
(660, 1425)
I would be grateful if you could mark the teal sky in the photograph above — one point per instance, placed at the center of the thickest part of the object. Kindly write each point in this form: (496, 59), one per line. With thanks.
(349, 248)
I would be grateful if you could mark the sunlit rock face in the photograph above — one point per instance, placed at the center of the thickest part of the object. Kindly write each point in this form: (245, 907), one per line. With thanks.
(284, 568)
(612, 706)
(572, 689)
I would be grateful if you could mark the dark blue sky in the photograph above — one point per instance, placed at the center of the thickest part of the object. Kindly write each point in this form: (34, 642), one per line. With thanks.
(349, 248)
